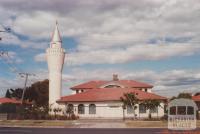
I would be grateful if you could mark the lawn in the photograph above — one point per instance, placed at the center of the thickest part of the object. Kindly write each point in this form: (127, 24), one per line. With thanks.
(42, 123)
(162, 124)
(73, 123)
(135, 124)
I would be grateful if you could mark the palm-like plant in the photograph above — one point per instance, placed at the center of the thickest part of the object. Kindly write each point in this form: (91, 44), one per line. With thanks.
(129, 99)
(151, 104)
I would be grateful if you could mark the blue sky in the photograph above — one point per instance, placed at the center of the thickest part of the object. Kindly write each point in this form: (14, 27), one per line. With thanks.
(153, 41)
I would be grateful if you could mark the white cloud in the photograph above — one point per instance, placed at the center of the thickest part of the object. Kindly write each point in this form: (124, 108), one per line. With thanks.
(106, 24)
(111, 32)
(126, 55)
(167, 83)
(40, 57)
(11, 57)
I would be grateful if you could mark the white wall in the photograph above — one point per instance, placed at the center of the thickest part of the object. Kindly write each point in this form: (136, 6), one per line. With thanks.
(112, 110)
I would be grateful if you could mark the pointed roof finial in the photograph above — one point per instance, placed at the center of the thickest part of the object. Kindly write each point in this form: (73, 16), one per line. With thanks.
(56, 34)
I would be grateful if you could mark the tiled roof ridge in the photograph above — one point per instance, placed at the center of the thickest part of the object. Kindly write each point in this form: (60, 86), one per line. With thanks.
(104, 82)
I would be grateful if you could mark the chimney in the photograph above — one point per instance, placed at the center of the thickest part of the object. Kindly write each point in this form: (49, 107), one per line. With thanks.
(115, 77)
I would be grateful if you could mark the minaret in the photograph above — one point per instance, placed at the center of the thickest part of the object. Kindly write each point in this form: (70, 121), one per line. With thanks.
(55, 58)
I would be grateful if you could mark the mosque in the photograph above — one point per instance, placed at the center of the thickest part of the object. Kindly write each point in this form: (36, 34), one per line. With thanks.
(96, 98)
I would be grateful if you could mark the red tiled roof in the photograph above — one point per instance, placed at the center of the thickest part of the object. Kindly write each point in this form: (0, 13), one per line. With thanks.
(126, 83)
(108, 94)
(134, 84)
(89, 85)
(9, 100)
(196, 98)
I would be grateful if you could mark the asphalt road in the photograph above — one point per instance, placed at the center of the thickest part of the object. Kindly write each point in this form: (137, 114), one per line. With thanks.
(21, 130)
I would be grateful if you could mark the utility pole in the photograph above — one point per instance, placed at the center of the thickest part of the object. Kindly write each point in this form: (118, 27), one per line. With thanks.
(26, 79)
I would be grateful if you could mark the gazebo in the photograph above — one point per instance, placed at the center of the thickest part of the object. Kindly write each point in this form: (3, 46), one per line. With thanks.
(182, 114)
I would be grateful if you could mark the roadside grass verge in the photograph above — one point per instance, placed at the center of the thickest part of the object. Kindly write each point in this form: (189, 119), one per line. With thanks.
(45, 123)
(72, 123)
(135, 124)
(150, 124)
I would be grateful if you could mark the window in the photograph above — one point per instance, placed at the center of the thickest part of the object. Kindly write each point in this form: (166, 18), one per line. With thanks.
(81, 109)
(70, 108)
(142, 108)
(145, 89)
(77, 91)
(154, 110)
(181, 110)
(112, 86)
(172, 110)
(92, 109)
(129, 109)
(190, 110)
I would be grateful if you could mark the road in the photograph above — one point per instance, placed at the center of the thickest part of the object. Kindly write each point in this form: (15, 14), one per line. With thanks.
(21, 130)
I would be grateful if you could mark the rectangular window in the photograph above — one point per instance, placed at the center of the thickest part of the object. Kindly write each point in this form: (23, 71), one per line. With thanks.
(181, 110)
(142, 109)
(130, 109)
(154, 110)
(172, 110)
(190, 110)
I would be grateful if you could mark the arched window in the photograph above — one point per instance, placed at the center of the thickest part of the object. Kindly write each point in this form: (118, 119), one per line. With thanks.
(142, 108)
(81, 109)
(70, 109)
(129, 109)
(92, 109)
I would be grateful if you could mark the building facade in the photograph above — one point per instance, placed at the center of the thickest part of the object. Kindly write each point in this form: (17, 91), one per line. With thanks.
(96, 99)
(102, 99)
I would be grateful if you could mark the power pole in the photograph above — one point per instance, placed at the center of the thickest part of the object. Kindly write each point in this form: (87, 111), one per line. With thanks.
(26, 79)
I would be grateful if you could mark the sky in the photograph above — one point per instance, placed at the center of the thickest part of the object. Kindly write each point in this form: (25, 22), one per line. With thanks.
(153, 41)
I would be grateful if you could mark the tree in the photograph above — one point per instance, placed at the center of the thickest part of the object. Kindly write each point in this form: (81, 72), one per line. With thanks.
(182, 95)
(185, 95)
(196, 94)
(8, 94)
(129, 99)
(56, 110)
(38, 93)
(69, 110)
(16, 93)
(151, 104)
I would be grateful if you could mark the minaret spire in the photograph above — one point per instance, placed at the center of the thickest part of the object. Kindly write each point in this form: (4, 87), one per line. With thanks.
(55, 58)
(56, 34)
